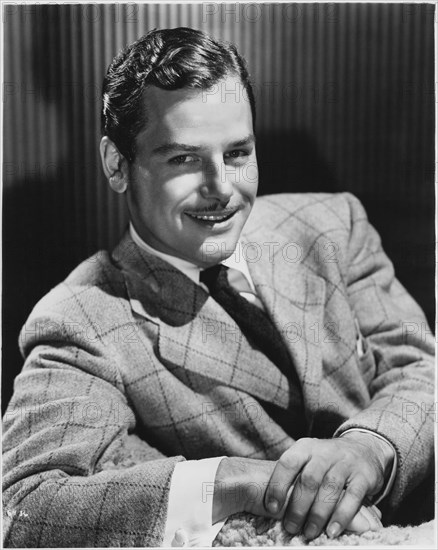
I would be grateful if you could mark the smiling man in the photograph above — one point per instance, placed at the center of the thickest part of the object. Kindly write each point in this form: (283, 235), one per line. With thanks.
(179, 379)
(188, 189)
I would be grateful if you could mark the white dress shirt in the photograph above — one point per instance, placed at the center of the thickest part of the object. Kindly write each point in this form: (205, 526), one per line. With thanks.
(190, 506)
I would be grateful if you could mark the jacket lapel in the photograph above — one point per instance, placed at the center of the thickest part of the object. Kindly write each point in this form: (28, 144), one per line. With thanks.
(195, 333)
(294, 298)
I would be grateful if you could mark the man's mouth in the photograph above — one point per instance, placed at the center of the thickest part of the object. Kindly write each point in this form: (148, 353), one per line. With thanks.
(212, 217)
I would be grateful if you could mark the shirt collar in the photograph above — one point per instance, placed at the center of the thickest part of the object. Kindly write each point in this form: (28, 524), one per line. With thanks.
(235, 261)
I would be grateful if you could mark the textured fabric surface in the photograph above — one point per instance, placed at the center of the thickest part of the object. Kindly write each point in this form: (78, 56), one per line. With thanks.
(247, 530)
(129, 345)
(260, 331)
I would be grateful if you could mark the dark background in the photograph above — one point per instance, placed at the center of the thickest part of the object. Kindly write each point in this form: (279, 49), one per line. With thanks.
(345, 96)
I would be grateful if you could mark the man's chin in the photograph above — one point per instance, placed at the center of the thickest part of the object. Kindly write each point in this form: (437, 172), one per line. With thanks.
(213, 252)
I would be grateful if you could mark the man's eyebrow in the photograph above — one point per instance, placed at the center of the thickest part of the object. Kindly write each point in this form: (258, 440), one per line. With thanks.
(166, 148)
(174, 146)
(247, 140)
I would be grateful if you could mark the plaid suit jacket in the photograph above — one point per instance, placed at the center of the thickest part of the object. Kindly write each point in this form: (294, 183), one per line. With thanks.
(130, 367)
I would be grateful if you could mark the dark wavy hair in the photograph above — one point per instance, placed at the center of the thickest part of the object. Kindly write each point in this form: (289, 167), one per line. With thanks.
(169, 59)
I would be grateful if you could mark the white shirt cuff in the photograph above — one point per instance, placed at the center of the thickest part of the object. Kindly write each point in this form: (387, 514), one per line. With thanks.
(391, 479)
(190, 507)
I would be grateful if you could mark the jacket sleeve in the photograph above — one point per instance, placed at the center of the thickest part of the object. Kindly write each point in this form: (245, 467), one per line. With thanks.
(74, 472)
(399, 347)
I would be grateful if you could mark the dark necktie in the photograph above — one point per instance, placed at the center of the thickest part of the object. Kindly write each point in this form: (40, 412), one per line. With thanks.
(261, 333)
(257, 327)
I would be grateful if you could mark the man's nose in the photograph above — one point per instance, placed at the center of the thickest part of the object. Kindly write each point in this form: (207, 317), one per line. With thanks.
(217, 183)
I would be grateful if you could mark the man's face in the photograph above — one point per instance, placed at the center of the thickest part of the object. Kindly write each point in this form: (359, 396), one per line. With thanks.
(194, 179)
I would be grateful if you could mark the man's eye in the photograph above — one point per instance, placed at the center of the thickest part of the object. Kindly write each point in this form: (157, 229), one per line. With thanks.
(238, 153)
(182, 159)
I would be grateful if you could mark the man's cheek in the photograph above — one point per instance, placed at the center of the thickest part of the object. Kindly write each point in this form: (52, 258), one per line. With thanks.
(249, 175)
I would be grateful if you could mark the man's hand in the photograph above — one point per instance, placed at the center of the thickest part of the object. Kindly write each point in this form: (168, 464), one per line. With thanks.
(241, 484)
(316, 471)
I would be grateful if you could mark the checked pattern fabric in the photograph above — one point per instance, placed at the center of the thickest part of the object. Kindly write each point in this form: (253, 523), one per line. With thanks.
(262, 333)
(129, 348)
(252, 320)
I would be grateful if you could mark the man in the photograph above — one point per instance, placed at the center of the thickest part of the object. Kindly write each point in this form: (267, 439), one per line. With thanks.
(285, 379)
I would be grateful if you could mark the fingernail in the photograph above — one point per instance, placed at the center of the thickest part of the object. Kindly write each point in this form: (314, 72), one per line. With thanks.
(333, 530)
(291, 527)
(273, 506)
(310, 531)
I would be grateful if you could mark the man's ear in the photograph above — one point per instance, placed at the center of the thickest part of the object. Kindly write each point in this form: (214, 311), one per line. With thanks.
(114, 165)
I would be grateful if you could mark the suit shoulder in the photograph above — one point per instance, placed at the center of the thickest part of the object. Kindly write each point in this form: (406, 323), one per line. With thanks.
(95, 281)
(322, 211)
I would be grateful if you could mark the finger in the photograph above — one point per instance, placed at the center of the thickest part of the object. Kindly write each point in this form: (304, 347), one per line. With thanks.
(363, 521)
(372, 507)
(329, 493)
(348, 506)
(360, 523)
(284, 475)
(376, 511)
(373, 520)
(282, 510)
(303, 497)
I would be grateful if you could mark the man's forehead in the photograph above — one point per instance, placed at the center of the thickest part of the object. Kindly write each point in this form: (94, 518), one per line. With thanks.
(177, 114)
(228, 90)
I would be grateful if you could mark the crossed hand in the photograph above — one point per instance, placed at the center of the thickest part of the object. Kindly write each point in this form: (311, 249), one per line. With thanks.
(317, 484)
(322, 484)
